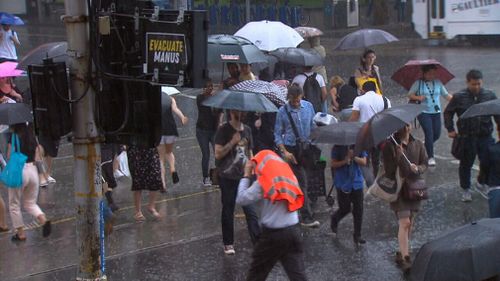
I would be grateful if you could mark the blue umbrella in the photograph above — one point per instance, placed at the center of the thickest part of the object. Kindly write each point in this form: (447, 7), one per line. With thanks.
(6, 18)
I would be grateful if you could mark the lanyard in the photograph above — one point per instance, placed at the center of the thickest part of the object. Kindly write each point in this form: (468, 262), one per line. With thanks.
(431, 92)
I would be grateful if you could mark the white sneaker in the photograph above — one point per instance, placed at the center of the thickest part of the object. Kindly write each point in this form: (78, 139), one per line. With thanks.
(207, 182)
(310, 223)
(466, 196)
(229, 250)
(431, 161)
(51, 180)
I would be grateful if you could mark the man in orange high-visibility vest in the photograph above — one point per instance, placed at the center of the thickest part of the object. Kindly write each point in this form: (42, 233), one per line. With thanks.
(278, 191)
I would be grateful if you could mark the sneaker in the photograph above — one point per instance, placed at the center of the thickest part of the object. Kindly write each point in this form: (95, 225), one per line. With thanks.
(51, 180)
(431, 161)
(482, 189)
(358, 240)
(466, 196)
(229, 250)
(207, 182)
(310, 223)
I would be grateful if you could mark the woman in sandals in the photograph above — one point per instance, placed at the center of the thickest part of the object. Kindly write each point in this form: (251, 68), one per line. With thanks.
(27, 195)
(144, 166)
(411, 169)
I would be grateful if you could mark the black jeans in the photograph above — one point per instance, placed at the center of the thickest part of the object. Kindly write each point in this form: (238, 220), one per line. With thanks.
(205, 140)
(300, 172)
(283, 245)
(229, 190)
(346, 200)
(473, 146)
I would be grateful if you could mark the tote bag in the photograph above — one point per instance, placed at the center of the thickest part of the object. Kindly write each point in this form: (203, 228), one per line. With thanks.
(12, 175)
(385, 188)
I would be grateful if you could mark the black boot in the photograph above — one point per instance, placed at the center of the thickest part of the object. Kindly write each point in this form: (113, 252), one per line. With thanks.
(358, 240)
(111, 203)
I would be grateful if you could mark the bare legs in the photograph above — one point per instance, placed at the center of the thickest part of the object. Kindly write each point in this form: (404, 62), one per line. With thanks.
(166, 154)
(151, 205)
(3, 223)
(404, 236)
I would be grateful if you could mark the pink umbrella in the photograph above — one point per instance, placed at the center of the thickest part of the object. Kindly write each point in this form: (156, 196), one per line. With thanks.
(8, 69)
(412, 71)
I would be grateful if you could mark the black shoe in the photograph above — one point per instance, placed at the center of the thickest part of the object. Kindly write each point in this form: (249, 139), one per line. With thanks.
(175, 177)
(46, 229)
(406, 265)
(358, 240)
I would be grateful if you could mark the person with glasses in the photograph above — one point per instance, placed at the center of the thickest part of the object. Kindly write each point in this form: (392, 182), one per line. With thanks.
(428, 91)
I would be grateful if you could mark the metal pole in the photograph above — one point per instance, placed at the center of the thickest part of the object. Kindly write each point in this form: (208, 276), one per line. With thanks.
(87, 151)
(247, 10)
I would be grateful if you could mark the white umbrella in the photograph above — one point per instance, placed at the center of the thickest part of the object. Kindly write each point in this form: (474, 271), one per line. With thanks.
(270, 35)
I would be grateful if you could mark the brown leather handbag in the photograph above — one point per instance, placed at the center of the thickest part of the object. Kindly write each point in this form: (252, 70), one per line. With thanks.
(415, 190)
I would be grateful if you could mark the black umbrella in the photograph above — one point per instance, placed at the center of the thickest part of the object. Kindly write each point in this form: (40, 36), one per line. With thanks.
(364, 38)
(470, 252)
(384, 124)
(240, 100)
(343, 133)
(55, 50)
(491, 107)
(15, 113)
(298, 56)
(228, 48)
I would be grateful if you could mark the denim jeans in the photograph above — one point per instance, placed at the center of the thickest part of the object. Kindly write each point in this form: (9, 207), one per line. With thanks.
(205, 140)
(229, 190)
(473, 146)
(494, 203)
(431, 125)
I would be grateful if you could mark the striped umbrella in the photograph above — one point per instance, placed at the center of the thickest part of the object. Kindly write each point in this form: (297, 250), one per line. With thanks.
(275, 93)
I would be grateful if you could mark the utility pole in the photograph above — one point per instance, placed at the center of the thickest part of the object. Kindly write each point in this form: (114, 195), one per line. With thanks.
(86, 145)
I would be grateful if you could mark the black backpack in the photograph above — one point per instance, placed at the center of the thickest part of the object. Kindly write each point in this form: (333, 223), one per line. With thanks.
(312, 92)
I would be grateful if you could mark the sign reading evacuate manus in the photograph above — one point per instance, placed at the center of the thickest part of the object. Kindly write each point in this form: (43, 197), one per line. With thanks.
(166, 52)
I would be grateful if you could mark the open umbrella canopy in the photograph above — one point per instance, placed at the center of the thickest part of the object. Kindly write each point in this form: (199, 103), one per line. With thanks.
(364, 38)
(384, 124)
(54, 50)
(412, 71)
(467, 253)
(15, 113)
(228, 48)
(306, 31)
(298, 56)
(342, 133)
(275, 93)
(9, 69)
(10, 19)
(491, 107)
(270, 35)
(241, 101)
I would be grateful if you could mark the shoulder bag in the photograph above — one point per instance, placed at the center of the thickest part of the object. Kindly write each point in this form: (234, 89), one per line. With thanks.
(386, 188)
(12, 175)
(415, 190)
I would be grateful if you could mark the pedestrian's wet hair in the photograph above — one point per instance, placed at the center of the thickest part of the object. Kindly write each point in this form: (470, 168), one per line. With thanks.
(365, 54)
(474, 74)
(336, 81)
(369, 86)
(294, 91)
(428, 67)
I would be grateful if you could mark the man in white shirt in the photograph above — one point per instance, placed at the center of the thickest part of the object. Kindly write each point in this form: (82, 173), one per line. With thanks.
(368, 104)
(301, 78)
(8, 42)
(363, 108)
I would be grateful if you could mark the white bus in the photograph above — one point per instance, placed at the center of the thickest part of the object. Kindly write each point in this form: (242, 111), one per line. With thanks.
(449, 18)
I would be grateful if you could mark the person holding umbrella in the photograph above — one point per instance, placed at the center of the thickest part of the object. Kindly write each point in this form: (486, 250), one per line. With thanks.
(428, 91)
(406, 154)
(474, 134)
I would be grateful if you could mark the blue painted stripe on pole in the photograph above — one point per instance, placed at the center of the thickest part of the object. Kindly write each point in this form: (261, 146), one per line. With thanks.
(101, 236)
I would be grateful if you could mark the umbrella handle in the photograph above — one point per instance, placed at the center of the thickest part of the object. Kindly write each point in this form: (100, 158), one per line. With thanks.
(404, 155)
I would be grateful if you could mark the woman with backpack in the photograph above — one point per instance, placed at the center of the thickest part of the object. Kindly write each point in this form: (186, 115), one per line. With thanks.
(28, 193)
(407, 156)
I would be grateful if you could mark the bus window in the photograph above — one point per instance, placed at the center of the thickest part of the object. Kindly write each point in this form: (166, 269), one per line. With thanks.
(441, 9)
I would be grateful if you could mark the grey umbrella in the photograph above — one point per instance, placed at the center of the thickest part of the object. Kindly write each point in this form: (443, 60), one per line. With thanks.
(15, 113)
(343, 133)
(55, 50)
(467, 253)
(384, 124)
(491, 107)
(298, 56)
(240, 100)
(228, 48)
(364, 38)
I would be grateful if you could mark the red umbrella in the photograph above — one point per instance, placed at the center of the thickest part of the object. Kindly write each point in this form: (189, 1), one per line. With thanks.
(412, 71)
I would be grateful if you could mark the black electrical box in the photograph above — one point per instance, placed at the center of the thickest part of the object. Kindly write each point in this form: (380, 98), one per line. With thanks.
(50, 95)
